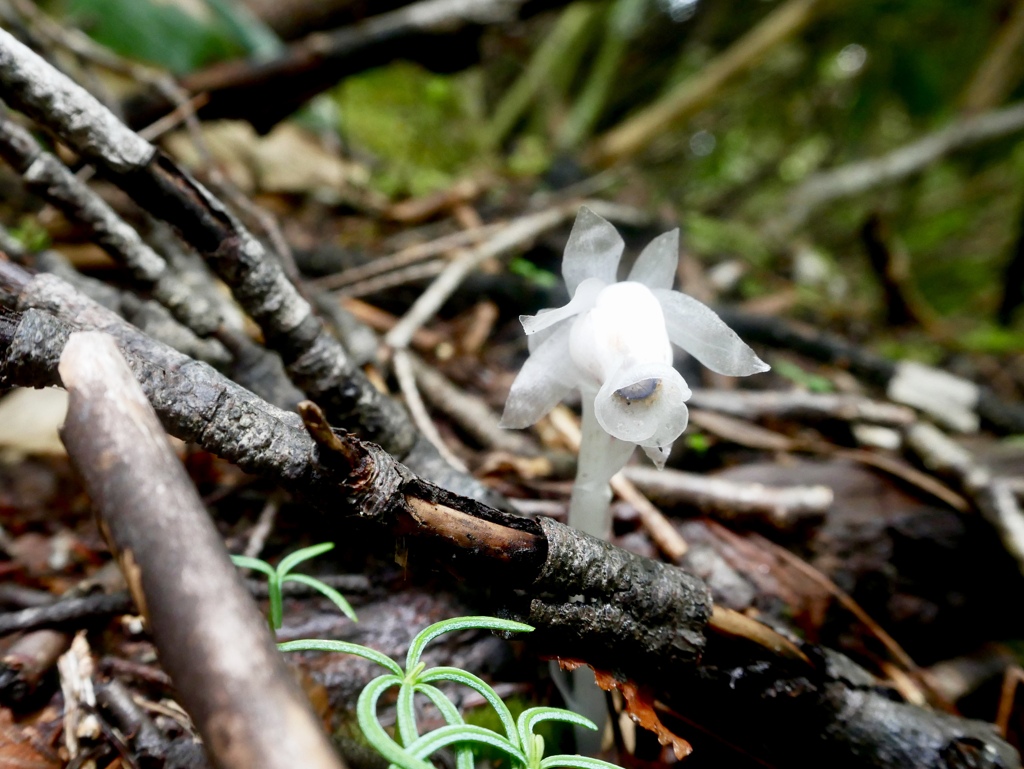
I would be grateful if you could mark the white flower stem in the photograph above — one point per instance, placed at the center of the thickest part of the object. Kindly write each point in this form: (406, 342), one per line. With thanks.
(600, 457)
(591, 494)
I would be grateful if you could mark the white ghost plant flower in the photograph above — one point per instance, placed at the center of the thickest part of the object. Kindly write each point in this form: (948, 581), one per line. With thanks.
(613, 342)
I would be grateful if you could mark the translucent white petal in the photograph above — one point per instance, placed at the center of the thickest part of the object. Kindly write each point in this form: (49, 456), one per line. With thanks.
(545, 379)
(593, 250)
(582, 300)
(643, 404)
(626, 325)
(658, 455)
(656, 265)
(534, 341)
(697, 329)
(668, 431)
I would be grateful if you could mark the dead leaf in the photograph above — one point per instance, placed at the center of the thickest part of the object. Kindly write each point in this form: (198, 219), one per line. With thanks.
(18, 749)
(639, 706)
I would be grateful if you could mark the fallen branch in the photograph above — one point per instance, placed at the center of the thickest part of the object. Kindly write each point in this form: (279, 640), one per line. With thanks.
(802, 406)
(150, 317)
(943, 395)
(315, 360)
(193, 600)
(46, 176)
(265, 92)
(782, 507)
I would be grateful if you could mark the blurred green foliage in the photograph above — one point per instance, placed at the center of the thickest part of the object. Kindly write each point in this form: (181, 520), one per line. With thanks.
(156, 32)
(422, 127)
(861, 80)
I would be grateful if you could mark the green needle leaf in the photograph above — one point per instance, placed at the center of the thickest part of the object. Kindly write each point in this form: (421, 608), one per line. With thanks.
(245, 562)
(456, 624)
(344, 647)
(336, 598)
(289, 562)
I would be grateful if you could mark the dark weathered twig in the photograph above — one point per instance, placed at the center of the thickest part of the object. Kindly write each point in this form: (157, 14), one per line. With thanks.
(315, 360)
(845, 716)
(195, 605)
(46, 629)
(45, 175)
(25, 663)
(68, 612)
(151, 318)
(75, 612)
(147, 740)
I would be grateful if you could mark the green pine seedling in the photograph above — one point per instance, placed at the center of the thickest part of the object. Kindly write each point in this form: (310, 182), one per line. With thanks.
(413, 750)
(276, 578)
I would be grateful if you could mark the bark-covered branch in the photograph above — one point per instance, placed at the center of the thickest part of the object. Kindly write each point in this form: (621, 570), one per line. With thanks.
(315, 360)
(251, 715)
(265, 92)
(45, 175)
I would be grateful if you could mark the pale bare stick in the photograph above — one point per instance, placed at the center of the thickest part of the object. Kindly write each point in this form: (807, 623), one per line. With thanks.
(395, 278)
(514, 235)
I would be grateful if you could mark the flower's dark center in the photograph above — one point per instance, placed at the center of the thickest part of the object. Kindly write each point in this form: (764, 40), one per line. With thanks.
(638, 391)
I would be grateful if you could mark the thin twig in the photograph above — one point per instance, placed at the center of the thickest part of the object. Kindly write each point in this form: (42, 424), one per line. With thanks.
(405, 257)
(469, 412)
(802, 405)
(998, 71)
(395, 278)
(257, 538)
(406, 377)
(782, 507)
(514, 235)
